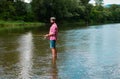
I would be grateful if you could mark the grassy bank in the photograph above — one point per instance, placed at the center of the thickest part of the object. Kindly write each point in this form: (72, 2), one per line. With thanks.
(18, 25)
(81, 23)
(72, 24)
(21, 26)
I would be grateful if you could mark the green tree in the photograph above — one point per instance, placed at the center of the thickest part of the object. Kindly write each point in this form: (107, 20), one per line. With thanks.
(97, 14)
(99, 2)
(115, 10)
(84, 2)
(20, 9)
(87, 13)
(43, 9)
(38, 9)
(7, 10)
(29, 16)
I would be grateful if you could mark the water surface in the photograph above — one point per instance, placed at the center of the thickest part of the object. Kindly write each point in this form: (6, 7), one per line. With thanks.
(83, 53)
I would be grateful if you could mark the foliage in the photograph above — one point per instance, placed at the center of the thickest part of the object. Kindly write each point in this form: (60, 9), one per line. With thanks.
(63, 10)
(44, 9)
(99, 2)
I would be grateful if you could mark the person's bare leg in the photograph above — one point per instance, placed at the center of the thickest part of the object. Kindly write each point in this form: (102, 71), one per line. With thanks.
(54, 52)
(54, 69)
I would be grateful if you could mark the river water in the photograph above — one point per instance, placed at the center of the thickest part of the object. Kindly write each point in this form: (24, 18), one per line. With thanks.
(83, 53)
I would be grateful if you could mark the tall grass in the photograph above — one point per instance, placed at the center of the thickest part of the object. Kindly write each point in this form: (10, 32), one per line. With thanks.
(10, 25)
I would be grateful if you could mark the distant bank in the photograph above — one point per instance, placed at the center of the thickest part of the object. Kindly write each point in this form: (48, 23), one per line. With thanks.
(8, 25)
(21, 25)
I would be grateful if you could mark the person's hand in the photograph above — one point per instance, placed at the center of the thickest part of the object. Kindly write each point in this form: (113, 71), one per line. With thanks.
(46, 36)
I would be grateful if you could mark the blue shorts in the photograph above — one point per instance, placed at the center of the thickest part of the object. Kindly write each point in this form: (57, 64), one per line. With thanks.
(52, 43)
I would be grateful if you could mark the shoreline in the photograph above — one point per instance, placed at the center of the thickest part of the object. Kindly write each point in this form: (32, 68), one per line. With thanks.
(17, 25)
(20, 25)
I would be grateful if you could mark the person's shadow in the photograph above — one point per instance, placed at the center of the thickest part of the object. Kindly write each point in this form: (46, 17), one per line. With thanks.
(54, 70)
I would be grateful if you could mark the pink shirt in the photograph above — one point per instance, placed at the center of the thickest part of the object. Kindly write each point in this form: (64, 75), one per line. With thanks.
(54, 31)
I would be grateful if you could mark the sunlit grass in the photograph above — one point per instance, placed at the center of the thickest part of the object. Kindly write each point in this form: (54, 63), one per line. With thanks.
(18, 25)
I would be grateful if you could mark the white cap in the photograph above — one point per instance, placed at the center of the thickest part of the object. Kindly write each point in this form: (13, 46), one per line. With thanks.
(53, 18)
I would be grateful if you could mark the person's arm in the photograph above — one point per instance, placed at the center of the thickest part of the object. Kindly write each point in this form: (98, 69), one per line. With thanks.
(53, 31)
(48, 35)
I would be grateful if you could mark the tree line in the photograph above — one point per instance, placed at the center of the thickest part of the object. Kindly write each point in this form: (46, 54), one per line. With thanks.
(67, 10)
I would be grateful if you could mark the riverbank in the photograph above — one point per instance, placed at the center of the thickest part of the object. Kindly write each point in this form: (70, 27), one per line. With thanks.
(18, 25)
(21, 25)
(81, 24)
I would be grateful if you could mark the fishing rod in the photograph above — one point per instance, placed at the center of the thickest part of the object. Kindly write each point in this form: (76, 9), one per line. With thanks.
(38, 35)
(41, 36)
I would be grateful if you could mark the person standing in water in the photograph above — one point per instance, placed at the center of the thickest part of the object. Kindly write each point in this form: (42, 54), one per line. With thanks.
(53, 33)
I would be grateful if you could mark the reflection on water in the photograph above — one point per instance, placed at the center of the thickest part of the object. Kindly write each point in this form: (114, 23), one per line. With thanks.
(91, 53)
(54, 70)
(26, 52)
(87, 53)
